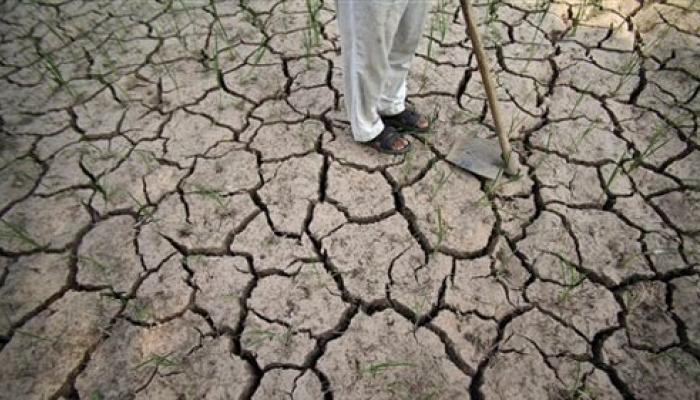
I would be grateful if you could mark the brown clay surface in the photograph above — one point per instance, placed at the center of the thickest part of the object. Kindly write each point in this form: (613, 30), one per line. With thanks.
(185, 215)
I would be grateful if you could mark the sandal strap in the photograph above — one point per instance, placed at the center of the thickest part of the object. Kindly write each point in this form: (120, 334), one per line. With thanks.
(407, 118)
(386, 140)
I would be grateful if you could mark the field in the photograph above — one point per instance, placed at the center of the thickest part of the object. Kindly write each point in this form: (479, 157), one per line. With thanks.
(184, 214)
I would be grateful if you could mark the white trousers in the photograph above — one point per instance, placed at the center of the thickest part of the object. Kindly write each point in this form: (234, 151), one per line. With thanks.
(378, 39)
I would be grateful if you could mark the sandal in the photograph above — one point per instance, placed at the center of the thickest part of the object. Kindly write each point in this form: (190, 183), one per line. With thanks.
(387, 140)
(407, 120)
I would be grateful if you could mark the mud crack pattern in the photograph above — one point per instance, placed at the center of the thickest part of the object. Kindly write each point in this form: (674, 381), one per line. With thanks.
(184, 214)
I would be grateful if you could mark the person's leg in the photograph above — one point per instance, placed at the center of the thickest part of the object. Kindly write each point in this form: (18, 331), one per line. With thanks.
(406, 39)
(367, 30)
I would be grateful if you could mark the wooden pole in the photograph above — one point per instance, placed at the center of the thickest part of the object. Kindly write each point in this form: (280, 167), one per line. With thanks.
(510, 159)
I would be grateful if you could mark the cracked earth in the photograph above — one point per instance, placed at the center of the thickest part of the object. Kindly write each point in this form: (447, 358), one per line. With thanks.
(184, 214)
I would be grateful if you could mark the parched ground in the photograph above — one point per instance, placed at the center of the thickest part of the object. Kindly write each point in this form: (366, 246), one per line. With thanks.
(183, 213)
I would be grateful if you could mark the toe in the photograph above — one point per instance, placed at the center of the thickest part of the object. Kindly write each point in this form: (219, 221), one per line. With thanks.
(399, 143)
(423, 122)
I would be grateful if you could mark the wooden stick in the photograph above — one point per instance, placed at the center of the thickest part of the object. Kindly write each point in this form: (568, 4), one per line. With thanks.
(510, 159)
